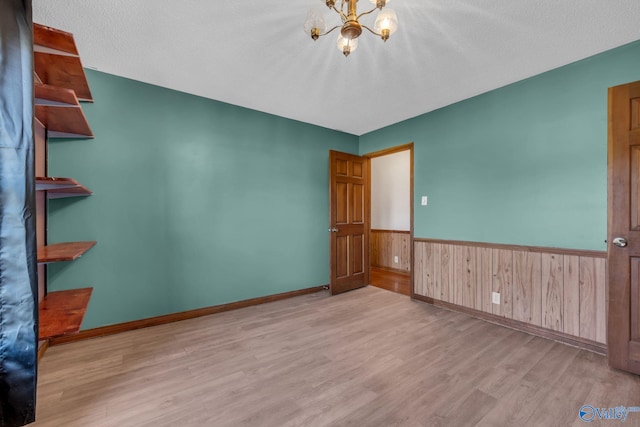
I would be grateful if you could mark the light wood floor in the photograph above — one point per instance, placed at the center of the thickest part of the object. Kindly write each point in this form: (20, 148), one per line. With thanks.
(365, 358)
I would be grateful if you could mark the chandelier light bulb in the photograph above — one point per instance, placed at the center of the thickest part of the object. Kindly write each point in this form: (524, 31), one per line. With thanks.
(386, 23)
(315, 24)
(345, 45)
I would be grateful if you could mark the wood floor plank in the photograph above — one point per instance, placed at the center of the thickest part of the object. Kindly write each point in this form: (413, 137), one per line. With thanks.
(369, 357)
(562, 409)
(471, 410)
(391, 280)
(509, 372)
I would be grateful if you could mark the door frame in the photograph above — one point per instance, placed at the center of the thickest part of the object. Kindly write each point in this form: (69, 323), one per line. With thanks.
(392, 150)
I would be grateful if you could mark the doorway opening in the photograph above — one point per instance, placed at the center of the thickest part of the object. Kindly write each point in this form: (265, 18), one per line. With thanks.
(391, 222)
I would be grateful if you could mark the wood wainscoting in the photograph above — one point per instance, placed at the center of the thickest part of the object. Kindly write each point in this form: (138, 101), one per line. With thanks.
(556, 293)
(386, 244)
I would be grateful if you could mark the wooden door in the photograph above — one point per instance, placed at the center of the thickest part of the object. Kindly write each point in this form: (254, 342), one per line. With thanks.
(349, 222)
(623, 326)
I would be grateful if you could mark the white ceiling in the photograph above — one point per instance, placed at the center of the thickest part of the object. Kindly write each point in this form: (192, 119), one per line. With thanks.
(254, 53)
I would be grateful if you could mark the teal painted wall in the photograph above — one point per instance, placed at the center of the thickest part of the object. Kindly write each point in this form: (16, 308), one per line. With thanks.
(525, 164)
(199, 203)
(196, 202)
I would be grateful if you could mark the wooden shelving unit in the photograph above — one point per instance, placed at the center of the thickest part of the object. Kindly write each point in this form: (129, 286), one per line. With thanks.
(60, 84)
(61, 312)
(57, 188)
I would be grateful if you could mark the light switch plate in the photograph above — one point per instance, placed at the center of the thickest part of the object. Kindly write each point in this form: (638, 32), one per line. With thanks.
(424, 200)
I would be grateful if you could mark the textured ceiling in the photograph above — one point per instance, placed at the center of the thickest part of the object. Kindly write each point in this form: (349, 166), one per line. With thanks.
(254, 53)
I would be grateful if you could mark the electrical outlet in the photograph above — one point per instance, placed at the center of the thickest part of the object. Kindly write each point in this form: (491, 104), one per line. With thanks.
(395, 259)
(495, 297)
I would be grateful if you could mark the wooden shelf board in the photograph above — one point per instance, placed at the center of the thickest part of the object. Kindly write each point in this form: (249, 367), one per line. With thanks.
(79, 191)
(56, 61)
(53, 183)
(63, 121)
(53, 38)
(57, 188)
(54, 96)
(67, 251)
(66, 135)
(44, 49)
(61, 312)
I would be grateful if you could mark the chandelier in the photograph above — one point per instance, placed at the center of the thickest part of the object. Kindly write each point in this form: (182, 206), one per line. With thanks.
(386, 23)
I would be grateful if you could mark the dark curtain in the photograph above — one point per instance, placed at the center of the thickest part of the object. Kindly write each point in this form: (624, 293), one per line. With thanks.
(18, 256)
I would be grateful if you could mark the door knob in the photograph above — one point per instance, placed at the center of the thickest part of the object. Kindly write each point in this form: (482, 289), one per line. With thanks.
(332, 230)
(620, 242)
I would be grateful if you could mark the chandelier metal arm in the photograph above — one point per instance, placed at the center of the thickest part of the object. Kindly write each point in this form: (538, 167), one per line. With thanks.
(367, 13)
(327, 32)
(371, 31)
